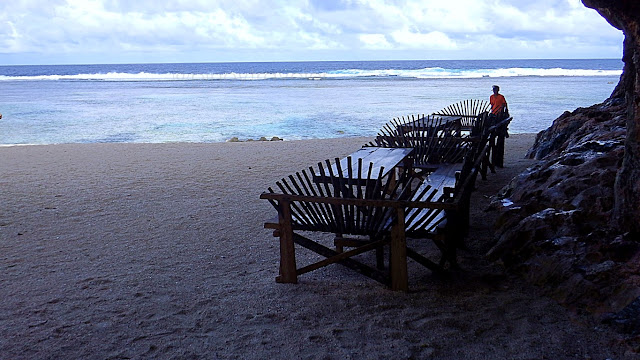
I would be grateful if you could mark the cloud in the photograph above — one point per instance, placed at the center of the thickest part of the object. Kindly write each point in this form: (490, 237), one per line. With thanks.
(375, 41)
(429, 41)
(453, 28)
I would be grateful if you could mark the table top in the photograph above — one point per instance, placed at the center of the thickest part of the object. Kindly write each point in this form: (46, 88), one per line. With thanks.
(430, 121)
(378, 157)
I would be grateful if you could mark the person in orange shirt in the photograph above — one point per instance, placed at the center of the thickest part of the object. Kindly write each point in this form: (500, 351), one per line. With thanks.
(498, 102)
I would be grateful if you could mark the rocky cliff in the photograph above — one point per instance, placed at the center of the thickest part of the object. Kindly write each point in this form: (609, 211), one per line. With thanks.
(625, 15)
(571, 223)
(556, 225)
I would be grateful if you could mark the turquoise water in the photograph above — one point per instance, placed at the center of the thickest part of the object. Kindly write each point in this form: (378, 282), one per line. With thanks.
(154, 103)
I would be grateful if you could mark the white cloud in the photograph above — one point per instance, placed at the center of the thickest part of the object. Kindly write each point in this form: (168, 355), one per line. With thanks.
(452, 16)
(375, 41)
(453, 28)
(429, 41)
(551, 20)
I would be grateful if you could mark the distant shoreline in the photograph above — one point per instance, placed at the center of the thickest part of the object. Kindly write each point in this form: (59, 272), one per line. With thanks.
(241, 141)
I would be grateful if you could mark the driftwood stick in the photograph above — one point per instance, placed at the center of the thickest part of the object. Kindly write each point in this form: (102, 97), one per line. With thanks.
(349, 209)
(337, 208)
(379, 193)
(369, 193)
(373, 192)
(424, 261)
(271, 201)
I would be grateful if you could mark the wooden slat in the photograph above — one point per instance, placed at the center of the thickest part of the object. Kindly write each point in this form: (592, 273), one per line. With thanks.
(364, 202)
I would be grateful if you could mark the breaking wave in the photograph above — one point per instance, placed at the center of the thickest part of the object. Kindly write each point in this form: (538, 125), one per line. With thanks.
(425, 73)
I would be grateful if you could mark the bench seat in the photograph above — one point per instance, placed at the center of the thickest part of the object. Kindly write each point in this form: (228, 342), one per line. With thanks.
(427, 221)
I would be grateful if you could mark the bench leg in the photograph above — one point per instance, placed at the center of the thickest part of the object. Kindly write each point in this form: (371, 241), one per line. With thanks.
(338, 242)
(500, 149)
(398, 254)
(495, 153)
(288, 272)
(453, 239)
(380, 258)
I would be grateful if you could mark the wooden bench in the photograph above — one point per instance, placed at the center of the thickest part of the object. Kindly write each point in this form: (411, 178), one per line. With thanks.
(443, 180)
(468, 110)
(431, 124)
(474, 116)
(364, 165)
(435, 139)
(370, 212)
(383, 214)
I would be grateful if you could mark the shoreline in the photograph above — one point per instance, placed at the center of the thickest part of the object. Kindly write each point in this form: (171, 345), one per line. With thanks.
(230, 140)
(158, 250)
(251, 140)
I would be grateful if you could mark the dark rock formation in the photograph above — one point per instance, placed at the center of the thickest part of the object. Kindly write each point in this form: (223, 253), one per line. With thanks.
(601, 122)
(555, 225)
(571, 223)
(625, 15)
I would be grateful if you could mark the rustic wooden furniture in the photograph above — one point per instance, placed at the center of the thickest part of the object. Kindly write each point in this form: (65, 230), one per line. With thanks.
(431, 125)
(468, 111)
(474, 116)
(382, 213)
(368, 211)
(435, 139)
(385, 218)
(356, 167)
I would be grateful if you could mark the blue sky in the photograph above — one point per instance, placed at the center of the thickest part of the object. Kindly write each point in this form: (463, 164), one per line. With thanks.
(124, 31)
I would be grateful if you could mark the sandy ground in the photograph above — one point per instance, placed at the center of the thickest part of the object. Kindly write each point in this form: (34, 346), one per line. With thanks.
(113, 251)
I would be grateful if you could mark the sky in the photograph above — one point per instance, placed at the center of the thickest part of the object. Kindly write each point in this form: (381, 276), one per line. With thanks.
(159, 31)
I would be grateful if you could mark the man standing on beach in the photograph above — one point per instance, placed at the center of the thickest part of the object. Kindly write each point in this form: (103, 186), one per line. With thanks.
(498, 103)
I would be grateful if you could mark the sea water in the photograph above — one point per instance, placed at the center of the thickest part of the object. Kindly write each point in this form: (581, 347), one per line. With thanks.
(213, 102)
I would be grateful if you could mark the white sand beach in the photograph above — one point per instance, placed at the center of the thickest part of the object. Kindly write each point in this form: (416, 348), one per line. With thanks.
(113, 251)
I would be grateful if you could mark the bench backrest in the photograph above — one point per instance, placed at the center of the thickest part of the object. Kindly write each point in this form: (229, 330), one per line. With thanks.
(434, 140)
(335, 202)
(469, 110)
(369, 207)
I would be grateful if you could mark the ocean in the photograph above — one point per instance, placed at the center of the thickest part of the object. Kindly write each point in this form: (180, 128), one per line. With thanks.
(214, 102)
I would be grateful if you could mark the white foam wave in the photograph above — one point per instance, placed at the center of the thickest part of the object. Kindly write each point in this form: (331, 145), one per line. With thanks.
(426, 73)
(143, 76)
(441, 73)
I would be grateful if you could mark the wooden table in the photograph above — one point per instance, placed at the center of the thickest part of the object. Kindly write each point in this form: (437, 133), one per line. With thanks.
(365, 165)
(432, 123)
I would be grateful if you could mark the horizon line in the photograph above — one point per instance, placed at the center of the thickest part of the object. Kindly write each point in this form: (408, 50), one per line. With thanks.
(299, 61)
